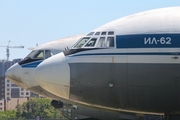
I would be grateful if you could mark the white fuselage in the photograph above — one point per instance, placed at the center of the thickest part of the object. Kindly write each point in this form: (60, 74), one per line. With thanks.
(134, 54)
(23, 75)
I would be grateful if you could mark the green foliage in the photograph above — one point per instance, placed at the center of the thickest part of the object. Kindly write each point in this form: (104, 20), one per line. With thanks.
(7, 114)
(32, 108)
(37, 107)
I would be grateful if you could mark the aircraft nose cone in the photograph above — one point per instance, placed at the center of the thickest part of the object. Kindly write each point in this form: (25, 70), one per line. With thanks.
(53, 74)
(14, 73)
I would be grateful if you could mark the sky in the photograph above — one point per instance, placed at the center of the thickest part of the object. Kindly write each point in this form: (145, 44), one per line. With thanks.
(30, 22)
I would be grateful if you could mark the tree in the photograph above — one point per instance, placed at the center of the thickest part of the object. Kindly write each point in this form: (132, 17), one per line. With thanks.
(7, 114)
(37, 107)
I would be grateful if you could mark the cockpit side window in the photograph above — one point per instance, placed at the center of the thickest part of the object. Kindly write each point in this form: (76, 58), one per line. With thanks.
(32, 54)
(101, 42)
(91, 43)
(48, 54)
(39, 55)
(81, 42)
(110, 42)
(36, 55)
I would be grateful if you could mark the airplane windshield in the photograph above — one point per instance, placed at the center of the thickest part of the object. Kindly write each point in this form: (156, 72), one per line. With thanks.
(31, 54)
(36, 54)
(81, 42)
(91, 43)
(104, 39)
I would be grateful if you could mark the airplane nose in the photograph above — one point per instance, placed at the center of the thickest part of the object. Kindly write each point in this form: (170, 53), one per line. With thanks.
(14, 73)
(53, 74)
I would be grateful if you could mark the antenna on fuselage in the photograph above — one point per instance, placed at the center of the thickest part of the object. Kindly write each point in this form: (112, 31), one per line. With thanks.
(32, 48)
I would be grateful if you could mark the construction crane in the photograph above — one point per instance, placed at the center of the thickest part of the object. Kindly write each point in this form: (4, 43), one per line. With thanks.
(7, 49)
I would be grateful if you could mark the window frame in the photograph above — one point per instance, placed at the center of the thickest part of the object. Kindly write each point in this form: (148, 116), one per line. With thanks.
(113, 41)
(101, 34)
(78, 42)
(90, 34)
(104, 44)
(84, 46)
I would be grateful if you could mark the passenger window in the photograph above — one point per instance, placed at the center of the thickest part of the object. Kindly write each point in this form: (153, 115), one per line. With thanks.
(103, 33)
(48, 54)
(101, 42)
(81, 42)
(110, 42)
(91, 43)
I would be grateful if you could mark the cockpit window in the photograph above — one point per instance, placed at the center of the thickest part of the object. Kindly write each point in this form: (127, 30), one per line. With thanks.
(32, 54)
(39, 55)
(103, 33)
(111, 33)
(89, 34)
(91, 43)
(110, 42)
(81, 42)
(101, 42)
(36, 54)
(48, 54)
(97, 33)
(99, 39)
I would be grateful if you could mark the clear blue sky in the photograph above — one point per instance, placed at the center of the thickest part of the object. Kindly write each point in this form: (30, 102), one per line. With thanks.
(27, 22)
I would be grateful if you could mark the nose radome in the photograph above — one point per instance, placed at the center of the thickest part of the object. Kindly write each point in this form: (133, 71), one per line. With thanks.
(14, 73)
(53, 74)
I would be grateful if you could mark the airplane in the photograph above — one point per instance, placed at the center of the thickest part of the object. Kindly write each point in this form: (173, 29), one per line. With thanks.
(136, 73)
(128, 66)
(22, 73)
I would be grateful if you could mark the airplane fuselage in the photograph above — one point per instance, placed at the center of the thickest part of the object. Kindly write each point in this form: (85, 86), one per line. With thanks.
(140, 76)
(144, 80)
(129, 65)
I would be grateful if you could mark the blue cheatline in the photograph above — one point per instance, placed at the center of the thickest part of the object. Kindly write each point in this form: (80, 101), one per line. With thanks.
(148, 41)
(32, 64)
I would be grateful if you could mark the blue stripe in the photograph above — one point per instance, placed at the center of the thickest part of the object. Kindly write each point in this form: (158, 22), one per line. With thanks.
(148, 53)
(32, 64)
(148, 41)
